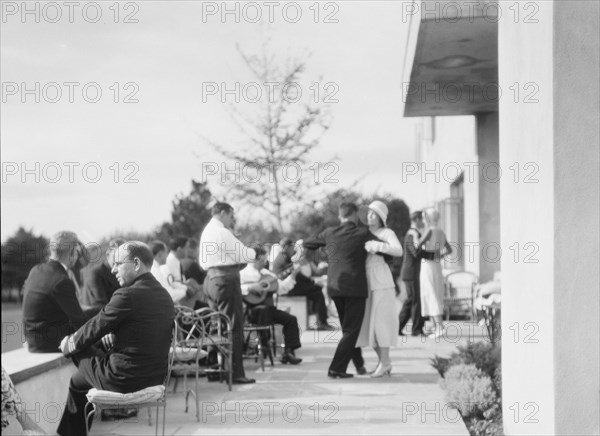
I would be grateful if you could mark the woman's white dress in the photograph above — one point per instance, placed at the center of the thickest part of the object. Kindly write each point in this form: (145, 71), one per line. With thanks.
(432, 279)
(380, 323)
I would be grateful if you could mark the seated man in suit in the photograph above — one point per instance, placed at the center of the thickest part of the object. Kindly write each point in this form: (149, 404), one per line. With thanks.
(174, 272)
(99, 283)
(265, 312)
(190, 266)
(177, 290)
(50, 306)
(140, 316)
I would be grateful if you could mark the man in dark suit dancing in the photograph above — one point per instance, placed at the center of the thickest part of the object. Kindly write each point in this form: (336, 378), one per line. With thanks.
(50, 306)
(346, 283)
(411, 269)
(140, 316)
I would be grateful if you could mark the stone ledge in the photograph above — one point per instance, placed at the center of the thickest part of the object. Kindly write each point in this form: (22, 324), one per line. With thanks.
(22, 365)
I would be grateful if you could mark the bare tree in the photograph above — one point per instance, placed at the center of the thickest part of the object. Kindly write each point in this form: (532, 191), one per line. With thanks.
(278, 138)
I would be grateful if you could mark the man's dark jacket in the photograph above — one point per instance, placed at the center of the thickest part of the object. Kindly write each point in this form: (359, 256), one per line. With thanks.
(51, 310)
(411, 264)
(141, 318)
(346, 256)
(98, 285)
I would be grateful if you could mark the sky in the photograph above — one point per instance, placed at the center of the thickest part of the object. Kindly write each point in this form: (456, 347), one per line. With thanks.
(98, 163)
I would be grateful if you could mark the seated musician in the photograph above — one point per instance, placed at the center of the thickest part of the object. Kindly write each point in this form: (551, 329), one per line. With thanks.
(258, 286)
(305, 285)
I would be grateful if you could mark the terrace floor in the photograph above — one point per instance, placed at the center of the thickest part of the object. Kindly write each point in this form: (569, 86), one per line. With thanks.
(302, 400)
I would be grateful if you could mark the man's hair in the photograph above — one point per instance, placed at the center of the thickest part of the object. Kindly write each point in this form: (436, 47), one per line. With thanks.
(347, 209)
(416, 215)
(177, 242)
(221, 207)
(157, 246)
(141, 251)
(113, 244)
(61, 244)
(259, 251)
(286, 242)
(193, 243)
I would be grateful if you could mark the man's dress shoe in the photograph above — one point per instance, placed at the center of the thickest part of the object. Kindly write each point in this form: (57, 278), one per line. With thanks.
(243, 381)
(337, 374)
(290, 358)
(361, 371)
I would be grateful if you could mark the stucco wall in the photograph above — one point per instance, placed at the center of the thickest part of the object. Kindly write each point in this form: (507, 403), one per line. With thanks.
(527, 217)
(452, 144)
(550, 369)
(490, 175)
(576, 206)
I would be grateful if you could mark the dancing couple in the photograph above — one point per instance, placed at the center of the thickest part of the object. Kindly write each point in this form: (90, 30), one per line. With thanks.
(360, 283)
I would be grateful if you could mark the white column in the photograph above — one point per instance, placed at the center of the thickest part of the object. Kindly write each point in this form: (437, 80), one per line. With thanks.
(548, 70)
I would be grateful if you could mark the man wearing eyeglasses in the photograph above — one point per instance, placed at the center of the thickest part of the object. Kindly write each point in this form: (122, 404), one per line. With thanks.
(50, 306)
(140, 316)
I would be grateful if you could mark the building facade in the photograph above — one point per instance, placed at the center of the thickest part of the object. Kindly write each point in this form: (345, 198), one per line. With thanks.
(528, 75)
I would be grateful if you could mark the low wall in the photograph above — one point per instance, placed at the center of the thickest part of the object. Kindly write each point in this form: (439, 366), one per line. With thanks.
(42, 381)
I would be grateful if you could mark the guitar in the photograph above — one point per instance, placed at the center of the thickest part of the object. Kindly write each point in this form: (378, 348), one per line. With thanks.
(269, 284)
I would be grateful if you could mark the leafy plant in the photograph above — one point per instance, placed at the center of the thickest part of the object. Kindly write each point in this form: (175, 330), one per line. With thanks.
(472, 378)
(469, 389)
(441, 364)
(483, 355)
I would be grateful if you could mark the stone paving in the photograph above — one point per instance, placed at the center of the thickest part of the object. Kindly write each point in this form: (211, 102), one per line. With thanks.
(302, 400)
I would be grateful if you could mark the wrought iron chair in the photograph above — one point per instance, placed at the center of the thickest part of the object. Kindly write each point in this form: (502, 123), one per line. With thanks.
(188, 352)
(218, 337)
(459, 296)
(259, 340)
(153, 396)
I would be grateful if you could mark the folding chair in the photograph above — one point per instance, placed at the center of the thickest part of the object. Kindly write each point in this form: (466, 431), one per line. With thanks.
(149, 397)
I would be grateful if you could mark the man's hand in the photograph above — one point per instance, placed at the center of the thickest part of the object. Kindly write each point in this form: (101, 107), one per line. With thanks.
(255, 287)
(108, 341)
(67, 345)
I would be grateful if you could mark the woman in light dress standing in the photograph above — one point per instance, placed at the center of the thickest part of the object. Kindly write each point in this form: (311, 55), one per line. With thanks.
(380, 323)
(432, 280)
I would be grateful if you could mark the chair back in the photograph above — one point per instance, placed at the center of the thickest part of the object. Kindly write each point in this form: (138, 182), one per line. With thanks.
(460, 284)
(171, 356)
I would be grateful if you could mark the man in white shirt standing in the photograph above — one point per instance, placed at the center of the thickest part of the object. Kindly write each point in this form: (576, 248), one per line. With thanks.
(222, 256)
(266, 313)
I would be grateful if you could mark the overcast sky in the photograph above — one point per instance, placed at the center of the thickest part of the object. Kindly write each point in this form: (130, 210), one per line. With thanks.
(162, 61)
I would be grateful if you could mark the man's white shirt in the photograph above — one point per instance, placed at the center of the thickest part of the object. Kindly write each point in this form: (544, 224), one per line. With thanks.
(219, 247)
(174, 266)
(251, 275)
(176, 290)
